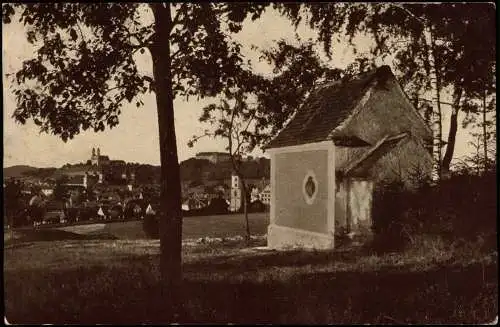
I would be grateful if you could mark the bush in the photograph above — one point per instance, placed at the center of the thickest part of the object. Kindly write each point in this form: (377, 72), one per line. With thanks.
(151, 226)
(389, 207)
(135, 209)
(217, 206)
(72, 214)
(257, 206)
(20, 219)
(461, 207)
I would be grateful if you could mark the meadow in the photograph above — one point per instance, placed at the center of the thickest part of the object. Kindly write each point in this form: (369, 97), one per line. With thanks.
(196, 227)
(215, 226)
(113, 277)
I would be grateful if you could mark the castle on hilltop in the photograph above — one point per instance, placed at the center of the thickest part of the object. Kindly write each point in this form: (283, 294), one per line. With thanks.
(214, 157)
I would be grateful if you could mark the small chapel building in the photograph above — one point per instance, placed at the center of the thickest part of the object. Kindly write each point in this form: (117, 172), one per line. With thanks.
(348, 136)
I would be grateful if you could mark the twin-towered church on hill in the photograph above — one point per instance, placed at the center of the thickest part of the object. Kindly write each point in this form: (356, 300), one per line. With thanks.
(96, 159)
(95, 170)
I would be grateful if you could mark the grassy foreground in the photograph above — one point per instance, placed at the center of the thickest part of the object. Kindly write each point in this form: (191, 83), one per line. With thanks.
(116, 281)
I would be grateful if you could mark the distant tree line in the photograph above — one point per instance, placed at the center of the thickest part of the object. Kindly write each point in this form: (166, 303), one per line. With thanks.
(192, 169)
(203, 170)
(40, 172)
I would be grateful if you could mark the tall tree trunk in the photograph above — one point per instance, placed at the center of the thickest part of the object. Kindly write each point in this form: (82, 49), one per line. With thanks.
(485, 135)
(170, 194)
(429, 40)
(450, 148)
(245, 210)
(236, 163)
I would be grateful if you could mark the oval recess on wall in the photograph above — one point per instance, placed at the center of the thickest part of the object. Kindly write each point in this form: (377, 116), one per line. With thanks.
(310, 187)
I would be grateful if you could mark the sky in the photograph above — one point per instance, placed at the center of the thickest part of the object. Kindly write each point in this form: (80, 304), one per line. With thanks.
(135, 139)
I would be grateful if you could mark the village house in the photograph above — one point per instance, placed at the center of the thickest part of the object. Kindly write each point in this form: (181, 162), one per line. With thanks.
(347, 138)
(254, 194)
(265, 195)
(262, 194)
(257, 189)
(85, 180)
(194, 203)
(47, 190)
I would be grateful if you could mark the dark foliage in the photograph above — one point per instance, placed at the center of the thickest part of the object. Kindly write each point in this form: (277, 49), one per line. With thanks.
(388, 209)
(60, 190)
(35, 213)
(40, 172)
(72, 214)
(12, 196)
(21, 218)
(218, 206)
(151, 226)
(134, 209)
(200, 169)
(115, 212)
(462, 207)
(87, 213)
(257, 206)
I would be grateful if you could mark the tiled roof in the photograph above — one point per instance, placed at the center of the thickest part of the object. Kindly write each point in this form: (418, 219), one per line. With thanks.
(325, 109)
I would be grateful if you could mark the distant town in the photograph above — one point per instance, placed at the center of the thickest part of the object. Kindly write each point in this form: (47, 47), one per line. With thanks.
(103, 189)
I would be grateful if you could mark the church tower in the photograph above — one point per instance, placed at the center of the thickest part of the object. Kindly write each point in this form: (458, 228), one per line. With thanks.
(94, 159)
(235, 202)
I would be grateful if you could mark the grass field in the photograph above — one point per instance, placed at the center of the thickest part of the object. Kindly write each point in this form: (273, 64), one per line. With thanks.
(193, 228)
(197, 227)
(112, 277)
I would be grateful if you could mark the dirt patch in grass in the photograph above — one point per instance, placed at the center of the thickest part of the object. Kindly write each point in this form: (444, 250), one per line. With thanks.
(116, 281)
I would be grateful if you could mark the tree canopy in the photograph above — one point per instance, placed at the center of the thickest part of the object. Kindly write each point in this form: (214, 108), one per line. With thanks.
(456, 42)
(84, 67)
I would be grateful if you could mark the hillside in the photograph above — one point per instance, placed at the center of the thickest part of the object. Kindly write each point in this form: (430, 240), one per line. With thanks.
(203, 170)
(199, 170)
(17, 171)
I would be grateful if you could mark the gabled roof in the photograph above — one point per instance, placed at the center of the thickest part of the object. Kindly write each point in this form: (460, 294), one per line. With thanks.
(371, 156)
(326, 108)
(351, 141)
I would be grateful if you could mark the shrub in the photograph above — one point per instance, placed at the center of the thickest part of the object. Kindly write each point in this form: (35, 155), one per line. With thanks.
(389, 207)
(217, 206)
(151, 226)
(463, 206)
